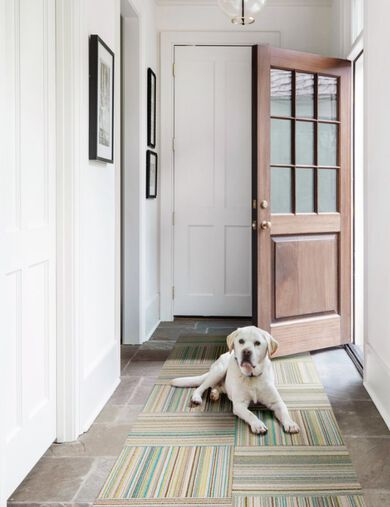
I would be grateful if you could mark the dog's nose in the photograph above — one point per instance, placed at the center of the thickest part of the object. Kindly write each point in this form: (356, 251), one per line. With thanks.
(246, 352)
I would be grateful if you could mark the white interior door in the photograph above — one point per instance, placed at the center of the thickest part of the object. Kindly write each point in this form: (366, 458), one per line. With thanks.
(212, 181)
(27, 237)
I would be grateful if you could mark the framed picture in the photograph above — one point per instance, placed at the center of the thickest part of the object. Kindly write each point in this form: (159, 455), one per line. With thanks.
(151, 108)
(101, 100)
(151, 174)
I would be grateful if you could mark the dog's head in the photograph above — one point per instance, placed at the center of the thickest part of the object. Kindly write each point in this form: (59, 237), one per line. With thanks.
(252, 346)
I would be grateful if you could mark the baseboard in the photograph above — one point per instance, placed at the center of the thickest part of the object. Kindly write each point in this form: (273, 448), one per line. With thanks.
(378, 403)
(153, 329)
(101, 405)
(152, 316)
(377, 381)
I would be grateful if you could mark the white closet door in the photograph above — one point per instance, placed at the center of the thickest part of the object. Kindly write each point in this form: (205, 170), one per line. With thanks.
(27, 238)
(212, 179)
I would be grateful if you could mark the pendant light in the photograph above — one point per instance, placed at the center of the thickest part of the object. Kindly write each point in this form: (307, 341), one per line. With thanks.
(241, 12)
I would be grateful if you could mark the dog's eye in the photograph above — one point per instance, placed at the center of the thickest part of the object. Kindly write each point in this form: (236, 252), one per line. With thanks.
(241, 341)
(257, 344)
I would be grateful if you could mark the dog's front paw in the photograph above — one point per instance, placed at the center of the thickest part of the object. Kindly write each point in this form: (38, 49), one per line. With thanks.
(259, 427)
(196, 399)
(291, 427)
(214, 394)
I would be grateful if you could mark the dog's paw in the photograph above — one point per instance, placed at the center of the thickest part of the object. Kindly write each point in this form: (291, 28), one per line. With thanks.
(196, 399)
(214, 394)
(291, 427)
(259, 427)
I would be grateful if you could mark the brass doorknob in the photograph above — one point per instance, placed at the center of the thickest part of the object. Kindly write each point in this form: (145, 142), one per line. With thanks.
(265, 225)
(254, 225)
(264, 204)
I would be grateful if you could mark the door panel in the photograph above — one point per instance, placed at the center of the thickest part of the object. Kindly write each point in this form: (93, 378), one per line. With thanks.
(27, 258)
(212, 181)
(303, 216)
(305, 281)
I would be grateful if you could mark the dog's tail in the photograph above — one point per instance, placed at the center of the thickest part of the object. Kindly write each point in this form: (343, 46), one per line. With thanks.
(188, 381)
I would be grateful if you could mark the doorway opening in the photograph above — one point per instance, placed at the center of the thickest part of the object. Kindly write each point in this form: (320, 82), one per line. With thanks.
(130, 173)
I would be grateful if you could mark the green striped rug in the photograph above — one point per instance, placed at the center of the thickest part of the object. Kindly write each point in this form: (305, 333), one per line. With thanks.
(177, 455)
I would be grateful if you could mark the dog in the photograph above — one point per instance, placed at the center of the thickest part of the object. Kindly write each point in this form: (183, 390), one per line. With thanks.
(246, 375)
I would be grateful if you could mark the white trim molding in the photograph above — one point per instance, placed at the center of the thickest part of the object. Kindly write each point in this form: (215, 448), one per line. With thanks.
(377, 380)
(68, 49)
(168, 42)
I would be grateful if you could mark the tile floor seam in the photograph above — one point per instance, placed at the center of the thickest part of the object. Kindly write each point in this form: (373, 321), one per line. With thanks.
(124, 366)
(134, 391)
(80, 456)
(368, 437)
(87, 475)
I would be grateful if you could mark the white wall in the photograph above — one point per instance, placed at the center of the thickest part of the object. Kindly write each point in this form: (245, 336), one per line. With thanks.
(89, 218)
(99, 338)
(377, 253)
(141, 299)
(303, 25)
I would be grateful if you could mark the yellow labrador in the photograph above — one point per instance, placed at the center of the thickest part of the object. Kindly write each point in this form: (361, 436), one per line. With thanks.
(246, 375)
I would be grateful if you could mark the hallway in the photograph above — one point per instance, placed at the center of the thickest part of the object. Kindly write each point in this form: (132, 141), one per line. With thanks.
(72, 474)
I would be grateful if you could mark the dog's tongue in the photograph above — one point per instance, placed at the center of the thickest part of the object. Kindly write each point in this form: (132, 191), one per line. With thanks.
(247, 367)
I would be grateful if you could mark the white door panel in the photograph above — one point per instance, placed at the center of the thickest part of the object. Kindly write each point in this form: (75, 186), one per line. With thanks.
(27, 209)
(212, 181)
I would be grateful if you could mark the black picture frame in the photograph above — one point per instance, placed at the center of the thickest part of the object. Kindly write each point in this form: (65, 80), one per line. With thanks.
(151, 174)
(152, 97)
(101, 100)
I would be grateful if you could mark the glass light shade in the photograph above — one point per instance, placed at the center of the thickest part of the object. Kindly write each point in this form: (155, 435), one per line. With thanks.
(241, 12)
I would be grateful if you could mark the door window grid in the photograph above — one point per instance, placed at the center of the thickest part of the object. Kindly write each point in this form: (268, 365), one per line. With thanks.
(291, 95)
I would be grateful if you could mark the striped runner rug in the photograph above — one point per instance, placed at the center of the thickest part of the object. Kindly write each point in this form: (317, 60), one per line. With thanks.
(177, 455)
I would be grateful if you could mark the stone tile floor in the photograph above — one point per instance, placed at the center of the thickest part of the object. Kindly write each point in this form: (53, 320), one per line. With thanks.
(72, 474)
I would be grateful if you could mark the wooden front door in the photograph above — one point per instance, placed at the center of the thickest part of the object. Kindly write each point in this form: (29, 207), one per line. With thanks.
(302, 205)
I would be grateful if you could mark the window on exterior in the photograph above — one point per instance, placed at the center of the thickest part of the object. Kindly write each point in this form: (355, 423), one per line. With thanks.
(305, 129)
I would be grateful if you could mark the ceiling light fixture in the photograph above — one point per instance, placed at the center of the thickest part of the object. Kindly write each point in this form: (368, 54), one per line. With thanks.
(241, 12)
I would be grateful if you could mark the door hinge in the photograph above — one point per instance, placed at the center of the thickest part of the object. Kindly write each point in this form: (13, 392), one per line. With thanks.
(254, 203)
(173, 143)
(173, 292)
(173, 69)
(173, 218)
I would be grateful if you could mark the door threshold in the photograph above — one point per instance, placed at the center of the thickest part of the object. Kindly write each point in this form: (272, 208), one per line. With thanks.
(356, 356)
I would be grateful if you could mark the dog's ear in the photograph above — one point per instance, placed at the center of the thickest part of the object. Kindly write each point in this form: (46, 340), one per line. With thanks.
(272, 344)
(230, 339)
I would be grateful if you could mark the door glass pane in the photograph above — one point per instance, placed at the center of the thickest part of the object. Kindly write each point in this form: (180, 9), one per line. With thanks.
(327, 98)
(281, 201)
(304, 95)
(280, 142)
(327, 144)
(327, 190)
(281, 92)
(304, 139)
(304, 190)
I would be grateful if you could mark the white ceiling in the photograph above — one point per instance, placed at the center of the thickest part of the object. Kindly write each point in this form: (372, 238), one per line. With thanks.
(297, 3)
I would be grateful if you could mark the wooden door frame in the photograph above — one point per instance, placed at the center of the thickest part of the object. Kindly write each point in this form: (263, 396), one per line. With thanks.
(261, 162)
(169, 40)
